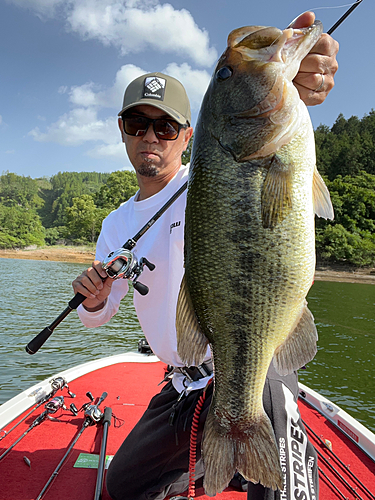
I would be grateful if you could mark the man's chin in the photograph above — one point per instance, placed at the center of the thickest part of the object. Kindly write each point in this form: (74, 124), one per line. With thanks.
(148, 169)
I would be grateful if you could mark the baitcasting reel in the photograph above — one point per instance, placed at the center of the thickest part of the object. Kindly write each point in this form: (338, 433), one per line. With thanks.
(123, 263)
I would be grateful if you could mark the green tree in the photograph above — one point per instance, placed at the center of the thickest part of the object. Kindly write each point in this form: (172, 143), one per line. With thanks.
(19, 191)
(20, 227)
(58, 194)
(84, 219)
(350, 237)
(119, 187)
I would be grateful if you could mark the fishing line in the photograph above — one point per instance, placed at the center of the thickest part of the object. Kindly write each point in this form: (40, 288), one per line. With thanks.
(352, 6)
(335, 7)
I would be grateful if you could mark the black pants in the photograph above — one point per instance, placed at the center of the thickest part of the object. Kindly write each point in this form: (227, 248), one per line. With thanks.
(153, 460)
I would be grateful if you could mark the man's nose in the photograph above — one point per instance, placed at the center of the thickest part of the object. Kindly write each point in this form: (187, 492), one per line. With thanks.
(150, 135)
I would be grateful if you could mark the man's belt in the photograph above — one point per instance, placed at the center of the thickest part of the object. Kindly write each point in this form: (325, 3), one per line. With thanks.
(193, 373)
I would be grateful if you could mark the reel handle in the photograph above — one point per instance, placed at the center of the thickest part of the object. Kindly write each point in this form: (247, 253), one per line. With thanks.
(147, 263)
(141, 288)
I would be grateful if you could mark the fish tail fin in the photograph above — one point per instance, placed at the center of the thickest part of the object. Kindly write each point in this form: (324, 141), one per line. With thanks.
(253, 453)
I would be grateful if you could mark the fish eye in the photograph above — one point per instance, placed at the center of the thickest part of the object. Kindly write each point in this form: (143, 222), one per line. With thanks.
(224, 73)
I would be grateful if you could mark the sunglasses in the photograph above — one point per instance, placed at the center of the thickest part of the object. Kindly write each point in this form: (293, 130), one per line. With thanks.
(164, 128)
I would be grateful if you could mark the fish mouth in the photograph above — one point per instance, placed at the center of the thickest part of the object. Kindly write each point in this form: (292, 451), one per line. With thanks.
(272, 45)
(297, 43)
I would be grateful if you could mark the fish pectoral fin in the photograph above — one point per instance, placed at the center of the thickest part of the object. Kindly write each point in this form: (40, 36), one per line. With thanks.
(321, 198)
(299, 347)
(191, 342)
(253, 452)
(276, 197)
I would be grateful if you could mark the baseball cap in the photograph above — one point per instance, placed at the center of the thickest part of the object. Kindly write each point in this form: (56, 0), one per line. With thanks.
(161, 91)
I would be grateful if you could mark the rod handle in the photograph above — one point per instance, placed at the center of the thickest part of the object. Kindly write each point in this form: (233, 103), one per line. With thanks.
(76, 300)
(107, 416)
(34, 345)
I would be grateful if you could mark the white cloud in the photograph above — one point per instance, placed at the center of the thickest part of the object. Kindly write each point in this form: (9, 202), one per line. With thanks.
(83, 95)
(131, 26)
(113, 151)
(195, 81)
(90, 94)
(77, 127)
(82, 124)
(1, 119)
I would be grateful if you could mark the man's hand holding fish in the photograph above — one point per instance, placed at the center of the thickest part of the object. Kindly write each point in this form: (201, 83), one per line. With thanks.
(315, 78)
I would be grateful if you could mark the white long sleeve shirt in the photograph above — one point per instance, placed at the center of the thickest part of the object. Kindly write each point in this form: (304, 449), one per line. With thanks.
(162, 245)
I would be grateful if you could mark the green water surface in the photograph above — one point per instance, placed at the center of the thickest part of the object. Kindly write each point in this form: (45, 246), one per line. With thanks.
(34, 293)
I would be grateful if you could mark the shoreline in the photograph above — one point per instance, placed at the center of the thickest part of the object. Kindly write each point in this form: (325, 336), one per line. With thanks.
(84, 255)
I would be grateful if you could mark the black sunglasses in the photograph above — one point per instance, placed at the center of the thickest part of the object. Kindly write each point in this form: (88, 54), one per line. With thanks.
(165, 129)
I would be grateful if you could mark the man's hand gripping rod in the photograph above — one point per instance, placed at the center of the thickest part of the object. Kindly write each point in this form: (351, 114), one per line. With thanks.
(121, 263)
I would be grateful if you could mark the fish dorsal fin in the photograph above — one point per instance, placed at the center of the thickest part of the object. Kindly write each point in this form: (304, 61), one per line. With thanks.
(191, 342)
(276, 193)
(299, 347)
(321, 198)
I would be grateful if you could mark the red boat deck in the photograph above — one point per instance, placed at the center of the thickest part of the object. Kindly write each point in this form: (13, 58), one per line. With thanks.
(130, 386)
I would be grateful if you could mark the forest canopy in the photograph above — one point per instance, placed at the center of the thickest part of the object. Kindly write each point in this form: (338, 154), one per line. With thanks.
(69, 207)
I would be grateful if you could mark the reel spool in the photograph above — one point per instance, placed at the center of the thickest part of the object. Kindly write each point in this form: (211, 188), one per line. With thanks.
(123, 263)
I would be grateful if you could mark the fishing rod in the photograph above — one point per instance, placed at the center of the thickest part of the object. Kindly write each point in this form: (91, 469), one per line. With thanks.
(344, 16)
(56, 384)
(338, 459)
(121, 263)
(102, 456)
(93, 415)
(51, 407)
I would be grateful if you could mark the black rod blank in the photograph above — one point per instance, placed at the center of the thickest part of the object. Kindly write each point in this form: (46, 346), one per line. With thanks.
(101, 466)
(343, 17)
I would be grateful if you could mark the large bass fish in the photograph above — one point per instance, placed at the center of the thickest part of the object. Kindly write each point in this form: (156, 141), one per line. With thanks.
(249, 244)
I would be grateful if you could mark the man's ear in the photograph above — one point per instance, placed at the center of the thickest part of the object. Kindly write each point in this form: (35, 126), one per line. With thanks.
(121, 127)
(188, 134)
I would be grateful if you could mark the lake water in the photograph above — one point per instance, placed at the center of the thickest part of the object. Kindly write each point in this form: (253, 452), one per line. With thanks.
(34, 293)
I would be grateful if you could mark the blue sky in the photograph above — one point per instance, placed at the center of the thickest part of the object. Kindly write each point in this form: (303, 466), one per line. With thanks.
(65, 64)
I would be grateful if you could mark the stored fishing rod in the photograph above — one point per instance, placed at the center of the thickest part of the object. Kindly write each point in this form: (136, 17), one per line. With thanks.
(338, 459)
(101, 466)
(121, 263)
(56, 384)
(51, 407)
(93, 415)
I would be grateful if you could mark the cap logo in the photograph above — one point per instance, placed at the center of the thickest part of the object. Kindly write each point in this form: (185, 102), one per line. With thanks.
(154, 87)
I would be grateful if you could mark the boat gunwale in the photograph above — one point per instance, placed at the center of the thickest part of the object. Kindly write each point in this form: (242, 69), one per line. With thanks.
(14, 407)
(336, 415)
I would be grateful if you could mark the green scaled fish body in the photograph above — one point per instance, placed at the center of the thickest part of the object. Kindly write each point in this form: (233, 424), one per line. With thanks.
(249, 245)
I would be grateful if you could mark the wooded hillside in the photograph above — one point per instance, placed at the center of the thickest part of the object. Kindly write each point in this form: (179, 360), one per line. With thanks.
(70, 206)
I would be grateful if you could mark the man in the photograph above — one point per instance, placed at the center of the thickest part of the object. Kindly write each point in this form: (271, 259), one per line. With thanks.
(155, 127)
